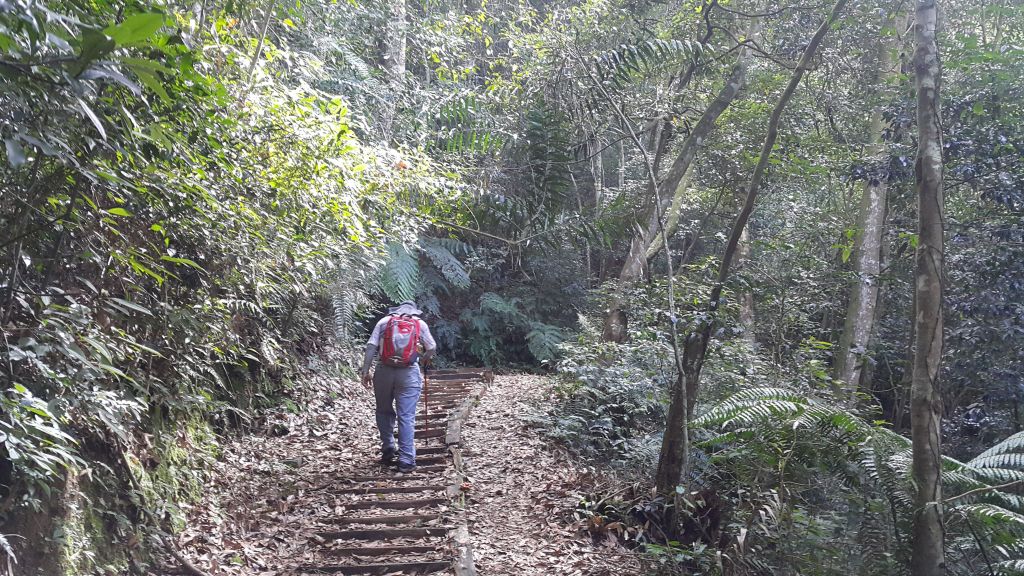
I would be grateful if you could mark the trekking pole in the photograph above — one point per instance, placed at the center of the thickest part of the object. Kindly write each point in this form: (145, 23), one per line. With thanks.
(426, 400)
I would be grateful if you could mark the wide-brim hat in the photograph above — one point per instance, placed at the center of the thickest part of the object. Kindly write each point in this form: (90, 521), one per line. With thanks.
(408, 307)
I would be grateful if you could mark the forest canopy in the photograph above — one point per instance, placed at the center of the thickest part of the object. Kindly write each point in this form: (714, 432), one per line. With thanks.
(770, 254)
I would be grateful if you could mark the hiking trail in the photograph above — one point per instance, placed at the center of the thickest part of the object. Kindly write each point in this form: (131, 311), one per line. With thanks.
(488, 496)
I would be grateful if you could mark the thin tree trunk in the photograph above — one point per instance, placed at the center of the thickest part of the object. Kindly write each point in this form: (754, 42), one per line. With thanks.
(268, 12)
(859, 326)
(675, 210)
(394, 63)
(641, 246)
(927, 554)
(674, 458)
(746, 295)
(636, 265)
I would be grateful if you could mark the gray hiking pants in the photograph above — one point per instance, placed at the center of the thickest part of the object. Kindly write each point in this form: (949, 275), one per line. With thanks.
(397, 391)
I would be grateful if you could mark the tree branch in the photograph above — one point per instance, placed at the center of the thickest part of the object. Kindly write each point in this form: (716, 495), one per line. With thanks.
(983, 490)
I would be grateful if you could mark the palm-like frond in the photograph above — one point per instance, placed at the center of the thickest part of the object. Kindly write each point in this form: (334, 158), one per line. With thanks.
(439, 253)
(543, 340)
(401, 273)
(620, 64)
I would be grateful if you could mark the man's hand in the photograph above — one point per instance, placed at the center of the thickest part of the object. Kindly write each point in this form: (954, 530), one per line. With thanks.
(367, 380)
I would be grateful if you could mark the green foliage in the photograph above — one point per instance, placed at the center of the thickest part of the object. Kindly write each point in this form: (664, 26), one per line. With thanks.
(401, 273)
(631, 61)
(610, 397)
(178, 214)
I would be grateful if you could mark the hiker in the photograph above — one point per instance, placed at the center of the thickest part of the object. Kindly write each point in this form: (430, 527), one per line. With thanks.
(396, 341)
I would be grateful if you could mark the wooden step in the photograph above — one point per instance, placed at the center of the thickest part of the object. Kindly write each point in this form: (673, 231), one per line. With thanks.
(401, 519)
(402, 478)
(378, 550)
(383, 533)
(395, 504)
(468, 376)
(431, 468)
(430, 433)
(389, 489)
(390, 568)
(439, 416)
(446, 399)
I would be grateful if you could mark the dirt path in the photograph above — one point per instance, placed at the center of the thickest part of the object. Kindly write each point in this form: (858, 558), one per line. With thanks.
(270, 493)
(524, 491)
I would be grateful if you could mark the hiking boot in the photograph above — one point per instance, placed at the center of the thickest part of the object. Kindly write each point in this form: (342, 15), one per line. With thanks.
(389, 456)
(406, 468)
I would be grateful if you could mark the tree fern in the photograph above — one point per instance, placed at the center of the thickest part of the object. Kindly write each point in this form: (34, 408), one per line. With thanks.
(503, 307)
(982, 491)
(465, 125)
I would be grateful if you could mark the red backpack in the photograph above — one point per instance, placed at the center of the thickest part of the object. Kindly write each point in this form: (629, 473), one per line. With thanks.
(399, 341)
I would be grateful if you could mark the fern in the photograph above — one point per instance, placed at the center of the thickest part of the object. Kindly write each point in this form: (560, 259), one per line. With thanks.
(357, 64)
(885, 459)
(1010, 567)
(466, 126)
(437, 252)
(543, 340)
(628, 59)
(502, 307)
(400, 276)
(10, 558)
(1011, 445)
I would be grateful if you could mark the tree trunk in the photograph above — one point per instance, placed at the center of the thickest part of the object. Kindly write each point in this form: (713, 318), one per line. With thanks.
(859, 326)
(673, 460)
(927, 556)
(746, 295)
(636, 264)
(641, 245)
(393, 54)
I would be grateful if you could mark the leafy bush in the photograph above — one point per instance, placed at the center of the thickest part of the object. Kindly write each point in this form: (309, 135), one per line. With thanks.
(178, 216)
(609, 403)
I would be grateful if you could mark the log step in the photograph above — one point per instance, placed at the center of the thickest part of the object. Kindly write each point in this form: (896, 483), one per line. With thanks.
(430, 433)
(377, 550)
(431, 468)
(403, 478)
(388, 489)
(396, 504)
(391, 568)
(402, 519)
(382, 533)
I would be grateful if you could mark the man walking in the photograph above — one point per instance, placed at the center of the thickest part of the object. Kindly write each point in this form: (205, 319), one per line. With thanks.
(397, 382)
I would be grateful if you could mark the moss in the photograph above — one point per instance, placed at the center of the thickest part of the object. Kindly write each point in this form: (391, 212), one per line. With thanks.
(182, 456)
(94, 527)
(83, 534)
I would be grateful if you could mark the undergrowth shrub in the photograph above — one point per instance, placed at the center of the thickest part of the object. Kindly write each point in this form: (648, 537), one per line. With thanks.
(609, 403)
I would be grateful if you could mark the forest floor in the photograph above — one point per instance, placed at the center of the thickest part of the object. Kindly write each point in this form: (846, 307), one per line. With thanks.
(265, 496)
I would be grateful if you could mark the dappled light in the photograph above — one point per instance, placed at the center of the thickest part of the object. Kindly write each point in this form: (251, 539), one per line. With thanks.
(580, 287)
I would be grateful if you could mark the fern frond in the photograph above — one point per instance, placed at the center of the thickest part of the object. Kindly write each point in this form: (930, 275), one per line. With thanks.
(1014, 443)
(400, 276)
(465, 126)
(445, 261)
(502, 307)
(543, 340)
(991, 515)
(1006, 460)
(619, 64)
(1010, 567)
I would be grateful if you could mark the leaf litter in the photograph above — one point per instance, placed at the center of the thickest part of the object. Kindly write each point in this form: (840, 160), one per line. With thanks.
(270, 491)
(523, 490)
